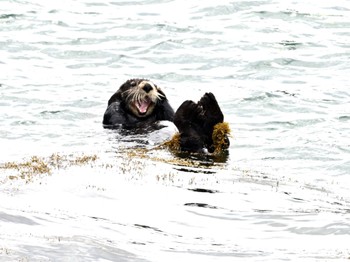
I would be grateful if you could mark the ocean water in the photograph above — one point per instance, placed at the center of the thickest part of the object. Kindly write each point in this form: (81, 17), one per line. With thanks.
(73, 191)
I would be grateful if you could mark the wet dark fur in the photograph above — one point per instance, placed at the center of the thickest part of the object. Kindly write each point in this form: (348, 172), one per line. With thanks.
(196, 121)
(120, 113)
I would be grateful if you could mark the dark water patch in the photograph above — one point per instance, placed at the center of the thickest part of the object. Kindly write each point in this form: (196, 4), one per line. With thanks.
(204, 190)
(24, 123)
(78, 54)
(135, 142)
(96, 4)
(53, 11)
(342, 56)
(296, 123)
(219, 10)
(131, 3)
(98, 218)
(148, 227)
(344, 118)
(138, 243)
(329, 229)
(148, 14)
(165, 46)
(339, 8)
(287, 15)
(261, 96)
(86, 65)
(92, 13)
(174, 28)
(67, 115)
(10, 16)
(298, 199)
(52, 112)
(191, 170)
(284, 92)
(317, 64)
(233, 253)
(16, 219)
(290, 45)
(81, 248)
(205, 160)
(283, 61)
(262, 210)
(202, 205)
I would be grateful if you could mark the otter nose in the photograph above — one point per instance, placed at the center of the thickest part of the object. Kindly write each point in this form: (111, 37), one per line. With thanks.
(147, 88)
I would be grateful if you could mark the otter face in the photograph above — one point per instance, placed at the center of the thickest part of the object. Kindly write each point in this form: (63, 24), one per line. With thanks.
(141, 96)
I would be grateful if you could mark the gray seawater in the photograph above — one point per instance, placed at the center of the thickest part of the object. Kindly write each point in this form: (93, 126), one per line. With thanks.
(279, 70)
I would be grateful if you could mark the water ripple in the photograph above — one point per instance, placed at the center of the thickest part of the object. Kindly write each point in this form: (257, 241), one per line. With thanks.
(280, 73)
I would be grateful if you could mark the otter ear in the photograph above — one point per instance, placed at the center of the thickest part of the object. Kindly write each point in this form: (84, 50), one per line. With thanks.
(128, 84)
(124, 87)
(131, 82)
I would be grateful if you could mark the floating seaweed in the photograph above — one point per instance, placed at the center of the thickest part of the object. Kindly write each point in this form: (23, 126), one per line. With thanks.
(36, 166)
(220, 139)
(220, 133)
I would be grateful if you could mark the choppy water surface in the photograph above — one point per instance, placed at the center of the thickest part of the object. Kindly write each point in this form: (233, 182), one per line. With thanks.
(280, 73)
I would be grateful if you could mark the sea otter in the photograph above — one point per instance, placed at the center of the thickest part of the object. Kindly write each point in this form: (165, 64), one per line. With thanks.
(137, 103)
(201, 127)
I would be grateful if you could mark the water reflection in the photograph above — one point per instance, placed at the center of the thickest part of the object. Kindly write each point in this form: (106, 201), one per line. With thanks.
(206, 160)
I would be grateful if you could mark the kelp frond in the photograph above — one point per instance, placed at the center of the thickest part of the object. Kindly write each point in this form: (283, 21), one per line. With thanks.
(220, 137)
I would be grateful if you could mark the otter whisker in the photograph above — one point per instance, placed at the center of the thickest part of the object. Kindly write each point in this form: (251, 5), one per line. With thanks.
(138, 98)
(159, 95)
(129, 94)
(135, 94)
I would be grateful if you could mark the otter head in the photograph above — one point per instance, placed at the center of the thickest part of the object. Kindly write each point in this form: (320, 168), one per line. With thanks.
(140, 96)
